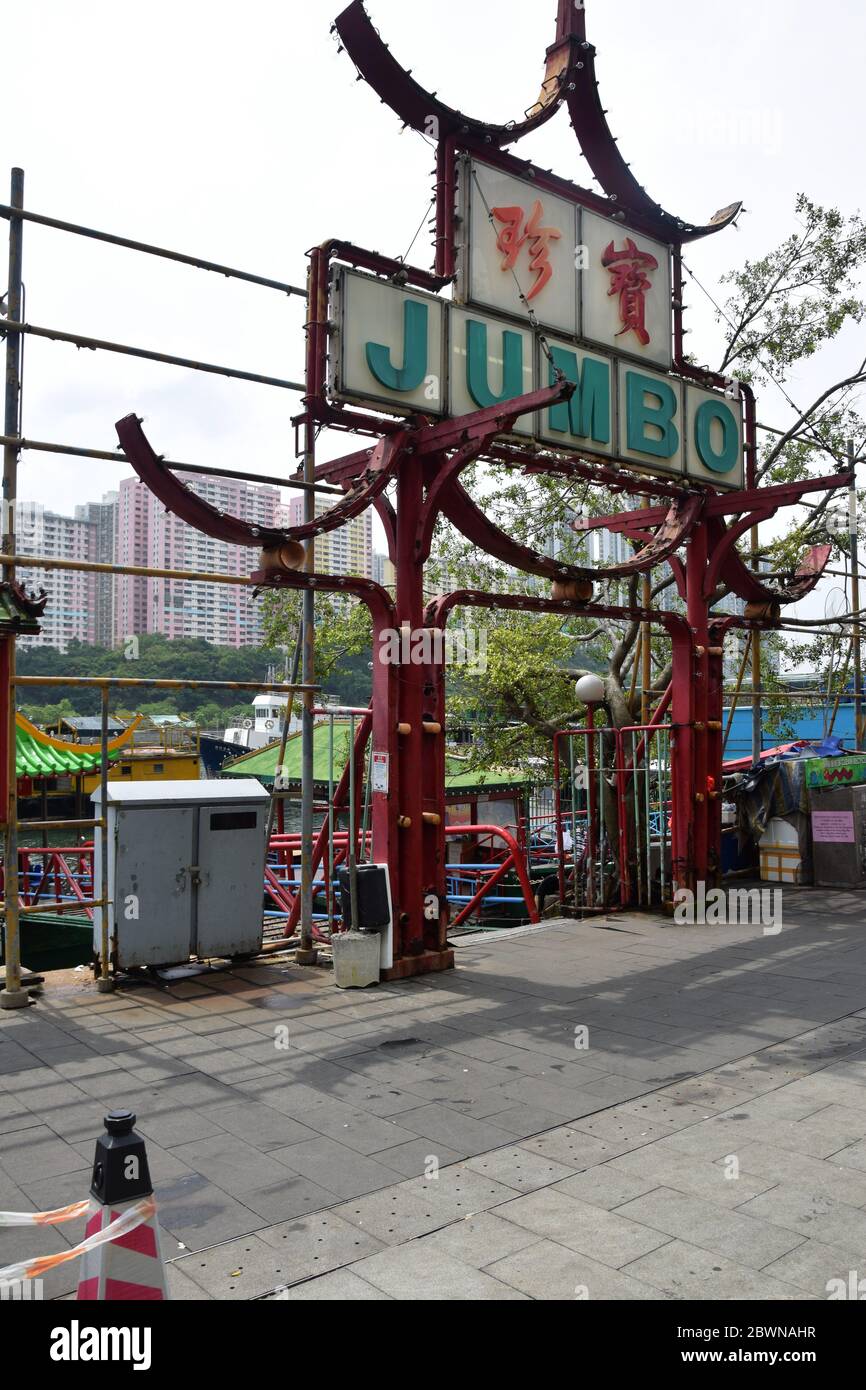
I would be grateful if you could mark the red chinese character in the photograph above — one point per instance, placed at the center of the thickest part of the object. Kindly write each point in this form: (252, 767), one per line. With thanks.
(628, 269)
(511, 240)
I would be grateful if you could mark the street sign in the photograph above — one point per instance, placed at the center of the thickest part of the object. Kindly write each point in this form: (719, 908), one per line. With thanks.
(403, 351)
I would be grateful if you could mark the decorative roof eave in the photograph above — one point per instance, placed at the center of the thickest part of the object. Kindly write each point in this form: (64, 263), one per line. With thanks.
(20, 611)
(569, 78)
(81, 750)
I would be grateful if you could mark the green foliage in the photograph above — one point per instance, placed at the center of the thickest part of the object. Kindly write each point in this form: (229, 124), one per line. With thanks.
(790, 302)
(158, 658)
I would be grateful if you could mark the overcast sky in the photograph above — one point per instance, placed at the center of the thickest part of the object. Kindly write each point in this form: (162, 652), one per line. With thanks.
(239, 134)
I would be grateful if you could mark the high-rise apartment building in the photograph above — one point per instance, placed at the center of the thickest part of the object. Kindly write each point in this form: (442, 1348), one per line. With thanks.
(148, 535)
(103, 517)
(71, 610)
(348, 550)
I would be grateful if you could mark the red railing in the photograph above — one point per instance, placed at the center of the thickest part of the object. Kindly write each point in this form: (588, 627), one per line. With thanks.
(52, 875)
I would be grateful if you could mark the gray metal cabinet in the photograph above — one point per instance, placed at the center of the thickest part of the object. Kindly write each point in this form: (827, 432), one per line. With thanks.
(839, 837)
(185, 870)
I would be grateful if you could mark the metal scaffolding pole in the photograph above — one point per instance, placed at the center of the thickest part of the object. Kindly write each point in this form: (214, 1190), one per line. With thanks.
(13, 996)
(757, 723)
(307, 954)
(105, 983)
(58, 335)
(859, 731)
(230, 272)
(117, 456)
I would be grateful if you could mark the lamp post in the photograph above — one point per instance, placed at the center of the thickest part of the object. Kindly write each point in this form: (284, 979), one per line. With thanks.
(590, 691)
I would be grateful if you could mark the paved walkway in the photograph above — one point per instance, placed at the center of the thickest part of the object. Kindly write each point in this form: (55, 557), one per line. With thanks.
(452, 1137)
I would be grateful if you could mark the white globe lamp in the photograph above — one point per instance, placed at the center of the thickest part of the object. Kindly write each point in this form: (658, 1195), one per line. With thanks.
(590, 690)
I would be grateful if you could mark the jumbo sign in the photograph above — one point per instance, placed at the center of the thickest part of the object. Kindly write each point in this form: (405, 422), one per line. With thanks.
(599, 294)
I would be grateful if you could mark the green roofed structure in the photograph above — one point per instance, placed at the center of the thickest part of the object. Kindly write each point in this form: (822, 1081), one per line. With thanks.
(460, 785)
(38, 754)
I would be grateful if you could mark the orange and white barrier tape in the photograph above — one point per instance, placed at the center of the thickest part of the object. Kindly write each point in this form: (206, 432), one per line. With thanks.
(44, 1218)
(135, 1215)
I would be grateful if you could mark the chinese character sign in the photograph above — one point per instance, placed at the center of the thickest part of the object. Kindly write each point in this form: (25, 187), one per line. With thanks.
(629, 270)
(518, 231)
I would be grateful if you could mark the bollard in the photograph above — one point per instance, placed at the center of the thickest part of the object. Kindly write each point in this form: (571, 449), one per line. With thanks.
(131, 1267)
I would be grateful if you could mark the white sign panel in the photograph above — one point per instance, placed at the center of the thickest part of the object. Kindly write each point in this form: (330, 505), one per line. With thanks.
(517, 240)
(490, 360)
(389, 347)
(381, 768)
(587, 421)
(581, 274)
(625, 290)
(400, 351)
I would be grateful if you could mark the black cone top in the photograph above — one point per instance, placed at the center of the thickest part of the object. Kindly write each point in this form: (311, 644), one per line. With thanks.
(120, 1168)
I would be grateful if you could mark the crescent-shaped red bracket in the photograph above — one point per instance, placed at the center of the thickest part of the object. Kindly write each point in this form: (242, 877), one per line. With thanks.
(676, 526)
(422, 110)
(611, 170)
(735, 574)
(569, 77)
(179, 499)
(459, 508)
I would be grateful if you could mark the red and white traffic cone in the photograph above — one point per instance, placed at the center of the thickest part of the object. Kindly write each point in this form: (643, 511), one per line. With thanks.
(129, 1267)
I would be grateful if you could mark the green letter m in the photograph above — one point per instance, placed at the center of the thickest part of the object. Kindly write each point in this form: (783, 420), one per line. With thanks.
(587, 414)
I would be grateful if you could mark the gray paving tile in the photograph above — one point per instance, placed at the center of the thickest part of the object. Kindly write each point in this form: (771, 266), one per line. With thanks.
(661, 1166)
(832, 1176)
(610, 1238)
(294, 1196)
(340, 1287)
(260, 1125)
(182, 1125)
(396, 1214)
(37, 1153)
(199, 1214)
(245, 1268)
(815, 1269)
(811, 1212)
(747, 1239)
(231, 1164)
(479, 1240)
(356, 1129)
(684, 1271)
(412, 1160)
(182, 1289)
(317, 1243)
(547, 1271)
(458, 1132)
(604, 1186)
(519, 1168)
(416, 1272)
(339, 1170)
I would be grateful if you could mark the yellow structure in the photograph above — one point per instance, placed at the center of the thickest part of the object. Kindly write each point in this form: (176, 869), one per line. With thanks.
(173, 756)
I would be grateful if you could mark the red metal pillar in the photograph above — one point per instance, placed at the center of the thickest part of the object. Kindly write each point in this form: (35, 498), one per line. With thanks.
(416, 844)
(715, 753)
(697, 616)
(682, 761)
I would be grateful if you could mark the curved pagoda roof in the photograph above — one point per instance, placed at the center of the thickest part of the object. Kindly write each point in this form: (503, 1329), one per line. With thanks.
(40, 755)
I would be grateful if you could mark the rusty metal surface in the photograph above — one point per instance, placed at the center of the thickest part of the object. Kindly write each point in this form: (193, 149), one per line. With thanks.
(678, 524)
